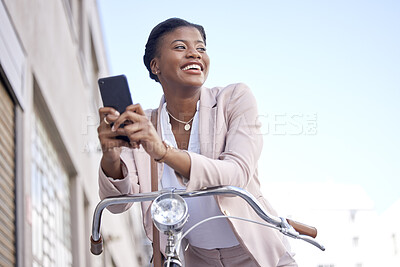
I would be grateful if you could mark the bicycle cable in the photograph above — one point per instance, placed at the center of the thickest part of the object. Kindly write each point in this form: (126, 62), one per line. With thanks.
(177, 245)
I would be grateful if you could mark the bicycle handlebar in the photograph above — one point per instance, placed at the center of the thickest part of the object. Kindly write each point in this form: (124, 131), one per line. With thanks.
(303, 229)
(286, 226)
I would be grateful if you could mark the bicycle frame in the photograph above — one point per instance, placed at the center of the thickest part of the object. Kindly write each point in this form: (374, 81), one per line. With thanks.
(287, 227)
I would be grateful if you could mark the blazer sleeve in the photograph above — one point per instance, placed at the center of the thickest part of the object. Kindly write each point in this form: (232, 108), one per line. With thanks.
(115, 187)
(237, 163)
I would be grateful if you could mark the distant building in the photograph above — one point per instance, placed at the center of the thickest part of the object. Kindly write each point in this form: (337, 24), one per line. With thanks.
(51, 55)
(354, 234)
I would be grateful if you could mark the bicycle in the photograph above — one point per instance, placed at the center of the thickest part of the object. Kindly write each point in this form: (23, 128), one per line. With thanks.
(169, 213)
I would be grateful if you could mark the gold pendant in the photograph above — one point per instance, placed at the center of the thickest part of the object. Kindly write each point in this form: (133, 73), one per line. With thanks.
(187, 127)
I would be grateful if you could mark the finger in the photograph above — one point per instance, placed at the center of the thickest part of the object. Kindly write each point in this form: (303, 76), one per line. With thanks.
(147, 131)
(107, 116)
(105, 124)
(104, 111)
(134, 144)
(130, 128)
(140, 136)
(126, 116)
(109, 136)
(110, 118)
(106, 135)
(106, 121)
(137, 108)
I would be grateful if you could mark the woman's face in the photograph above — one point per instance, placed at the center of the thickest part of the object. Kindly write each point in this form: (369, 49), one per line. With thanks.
(182, 59)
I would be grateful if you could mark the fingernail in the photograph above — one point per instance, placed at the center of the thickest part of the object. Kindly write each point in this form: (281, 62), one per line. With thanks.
(116, 113)
(113, 128)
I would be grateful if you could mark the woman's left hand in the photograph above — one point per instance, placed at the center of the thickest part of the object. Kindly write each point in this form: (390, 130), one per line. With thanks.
(140, 131)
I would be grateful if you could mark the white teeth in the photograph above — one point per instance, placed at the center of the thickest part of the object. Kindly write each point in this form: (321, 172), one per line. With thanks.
(193, 66)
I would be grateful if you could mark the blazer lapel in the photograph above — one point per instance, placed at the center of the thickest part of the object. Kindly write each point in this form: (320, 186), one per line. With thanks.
(158, 128)
(207, 113)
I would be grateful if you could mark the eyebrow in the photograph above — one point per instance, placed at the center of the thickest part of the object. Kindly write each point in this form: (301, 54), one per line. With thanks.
(185, 41)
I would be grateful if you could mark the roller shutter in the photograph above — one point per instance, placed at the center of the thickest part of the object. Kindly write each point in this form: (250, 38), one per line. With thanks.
(7, 179)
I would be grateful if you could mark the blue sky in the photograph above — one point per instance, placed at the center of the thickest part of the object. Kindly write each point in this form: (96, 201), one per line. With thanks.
(326, 75)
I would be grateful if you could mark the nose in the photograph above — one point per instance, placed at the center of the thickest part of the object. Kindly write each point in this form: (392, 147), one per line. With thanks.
(193, 53)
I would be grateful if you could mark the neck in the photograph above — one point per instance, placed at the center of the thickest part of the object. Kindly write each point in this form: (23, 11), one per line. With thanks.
(182, 106)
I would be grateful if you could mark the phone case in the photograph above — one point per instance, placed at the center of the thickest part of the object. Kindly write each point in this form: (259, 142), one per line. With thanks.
(115, 93)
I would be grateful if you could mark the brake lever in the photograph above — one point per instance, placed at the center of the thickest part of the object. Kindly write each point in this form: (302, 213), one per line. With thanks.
(288, 230)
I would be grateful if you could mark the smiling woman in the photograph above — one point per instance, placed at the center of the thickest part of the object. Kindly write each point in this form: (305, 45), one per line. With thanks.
(203, 137)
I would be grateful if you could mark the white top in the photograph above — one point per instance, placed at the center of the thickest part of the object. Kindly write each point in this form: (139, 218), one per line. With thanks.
(216, 233)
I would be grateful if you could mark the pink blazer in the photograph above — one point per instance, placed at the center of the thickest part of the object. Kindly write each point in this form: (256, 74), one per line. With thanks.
(231, 143)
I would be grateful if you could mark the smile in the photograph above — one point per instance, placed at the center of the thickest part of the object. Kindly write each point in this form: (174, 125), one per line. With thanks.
(192, 67)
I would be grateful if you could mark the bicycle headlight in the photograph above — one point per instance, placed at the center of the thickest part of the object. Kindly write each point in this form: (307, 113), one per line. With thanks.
(169, 213)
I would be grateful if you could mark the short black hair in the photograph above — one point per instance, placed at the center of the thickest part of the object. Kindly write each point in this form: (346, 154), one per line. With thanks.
(158, 32)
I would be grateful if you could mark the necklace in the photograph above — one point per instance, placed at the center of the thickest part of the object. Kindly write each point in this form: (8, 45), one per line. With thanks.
(187, 125)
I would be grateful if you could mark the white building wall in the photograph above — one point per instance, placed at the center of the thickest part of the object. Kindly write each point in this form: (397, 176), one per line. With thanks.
(62, 56)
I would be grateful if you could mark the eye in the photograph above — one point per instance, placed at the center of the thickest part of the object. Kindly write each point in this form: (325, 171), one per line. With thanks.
(202, 49)
(180, 47)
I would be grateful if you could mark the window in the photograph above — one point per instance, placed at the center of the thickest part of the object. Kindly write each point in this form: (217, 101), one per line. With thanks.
(51, 217)
(74, 11)
(353, 215)
(396, 250)
(356, 240)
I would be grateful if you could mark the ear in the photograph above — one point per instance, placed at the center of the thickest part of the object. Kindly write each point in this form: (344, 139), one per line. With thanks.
(154, 66)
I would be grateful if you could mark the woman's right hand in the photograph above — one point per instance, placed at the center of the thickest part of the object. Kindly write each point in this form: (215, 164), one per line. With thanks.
(111, 147)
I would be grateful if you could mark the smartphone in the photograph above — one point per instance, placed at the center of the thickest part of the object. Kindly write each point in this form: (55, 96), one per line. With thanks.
(115, 93)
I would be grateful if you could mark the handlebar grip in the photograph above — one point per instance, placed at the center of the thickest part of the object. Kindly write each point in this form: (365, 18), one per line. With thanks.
(96, 247)
(303, 228)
